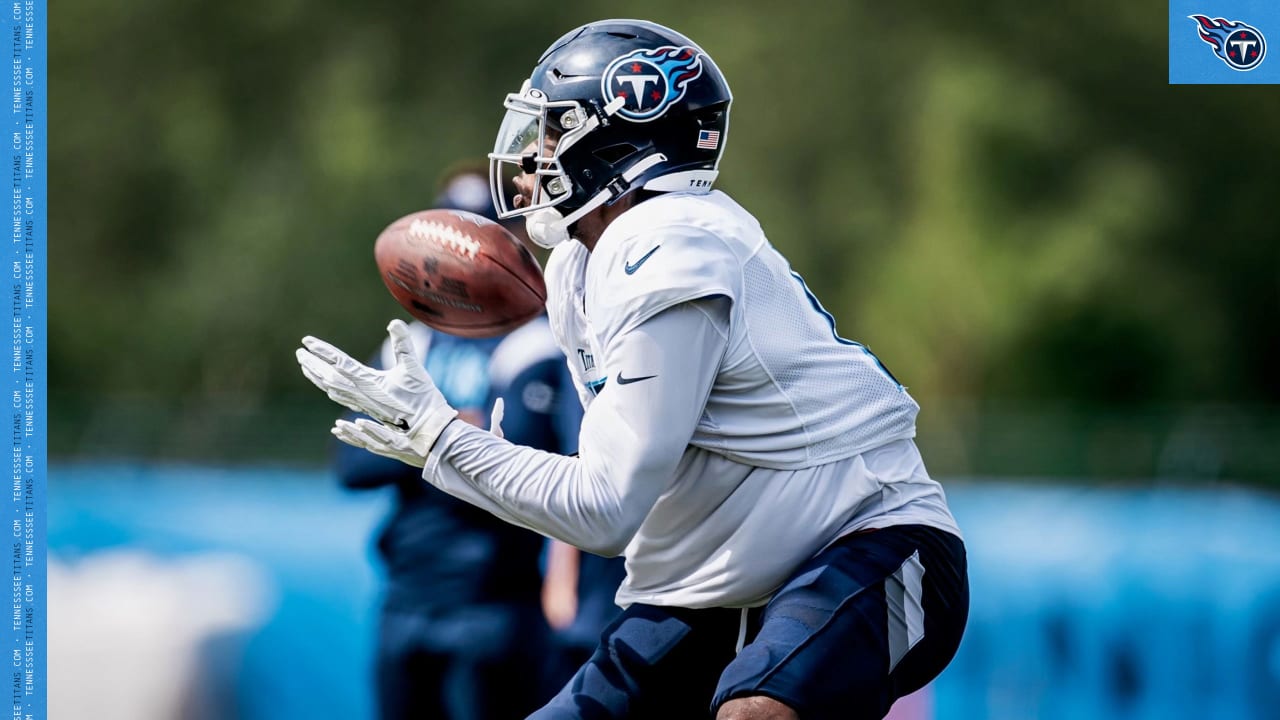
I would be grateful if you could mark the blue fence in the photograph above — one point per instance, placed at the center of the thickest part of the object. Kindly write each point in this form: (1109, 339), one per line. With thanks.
(1087, 603)
(1127, 604)
(298, 640)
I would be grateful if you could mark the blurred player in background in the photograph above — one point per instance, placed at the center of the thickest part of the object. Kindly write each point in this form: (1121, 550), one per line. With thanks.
(461, 622)
(578, 598)
(787, 553)
(528, 372)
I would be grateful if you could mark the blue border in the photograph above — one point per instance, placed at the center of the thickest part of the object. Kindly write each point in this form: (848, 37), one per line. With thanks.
(1191, 60)
(28, 141)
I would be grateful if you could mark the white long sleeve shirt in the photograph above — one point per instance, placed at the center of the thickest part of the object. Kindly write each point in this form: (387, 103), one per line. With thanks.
(729, 435)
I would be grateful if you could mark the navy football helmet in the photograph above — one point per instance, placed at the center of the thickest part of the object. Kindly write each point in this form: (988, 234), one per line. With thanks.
(611, 107)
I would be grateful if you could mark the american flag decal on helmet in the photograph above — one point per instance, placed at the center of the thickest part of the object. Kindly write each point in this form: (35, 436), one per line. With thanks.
(708, 139)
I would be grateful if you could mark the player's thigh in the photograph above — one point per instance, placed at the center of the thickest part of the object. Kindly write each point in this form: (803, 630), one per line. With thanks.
(652, 662)
(870, 619)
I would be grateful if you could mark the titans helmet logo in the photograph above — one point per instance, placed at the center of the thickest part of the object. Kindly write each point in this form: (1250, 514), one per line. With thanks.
(650, 81)
(1238, 45)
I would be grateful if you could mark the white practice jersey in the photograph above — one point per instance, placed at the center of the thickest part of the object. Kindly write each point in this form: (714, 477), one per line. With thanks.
(730, 433)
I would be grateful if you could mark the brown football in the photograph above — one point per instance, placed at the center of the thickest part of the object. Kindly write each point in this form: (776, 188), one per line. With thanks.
(460, 273)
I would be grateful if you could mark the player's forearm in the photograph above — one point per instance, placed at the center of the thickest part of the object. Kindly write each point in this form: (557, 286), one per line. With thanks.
(632, 439)
(562, 497)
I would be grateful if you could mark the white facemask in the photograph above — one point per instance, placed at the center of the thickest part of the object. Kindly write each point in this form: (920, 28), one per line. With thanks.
(548, 228)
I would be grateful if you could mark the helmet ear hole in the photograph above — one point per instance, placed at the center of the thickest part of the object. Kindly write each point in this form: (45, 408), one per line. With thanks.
(711, 120)
(613, 154)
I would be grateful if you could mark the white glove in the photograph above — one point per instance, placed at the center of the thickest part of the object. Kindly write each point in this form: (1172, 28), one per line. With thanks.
(402, 396)
(393, 442)
(380, 439)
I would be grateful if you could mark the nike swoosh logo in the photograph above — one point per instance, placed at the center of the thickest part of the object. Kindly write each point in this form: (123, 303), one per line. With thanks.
(628, 381)
(631, 268)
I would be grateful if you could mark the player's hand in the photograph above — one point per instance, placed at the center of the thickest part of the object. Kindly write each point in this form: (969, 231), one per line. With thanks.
(379, 439)
(393, 442)
(403, 396)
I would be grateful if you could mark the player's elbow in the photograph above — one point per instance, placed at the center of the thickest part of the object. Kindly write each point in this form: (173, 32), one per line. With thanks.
(610, 546)
(617, 503)
(610, 536)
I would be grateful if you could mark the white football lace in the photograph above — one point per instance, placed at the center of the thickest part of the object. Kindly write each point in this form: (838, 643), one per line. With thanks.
(445, 235)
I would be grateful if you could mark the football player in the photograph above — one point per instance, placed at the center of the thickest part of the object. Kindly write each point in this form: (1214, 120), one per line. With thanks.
(787, 554)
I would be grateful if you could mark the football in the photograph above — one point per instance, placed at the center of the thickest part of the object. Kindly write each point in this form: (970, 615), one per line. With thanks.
(460, 273)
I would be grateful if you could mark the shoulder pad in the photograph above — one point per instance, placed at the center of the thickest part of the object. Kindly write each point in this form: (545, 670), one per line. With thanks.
(632, 280)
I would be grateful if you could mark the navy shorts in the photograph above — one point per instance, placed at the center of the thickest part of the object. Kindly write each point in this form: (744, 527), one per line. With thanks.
(871, 618)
